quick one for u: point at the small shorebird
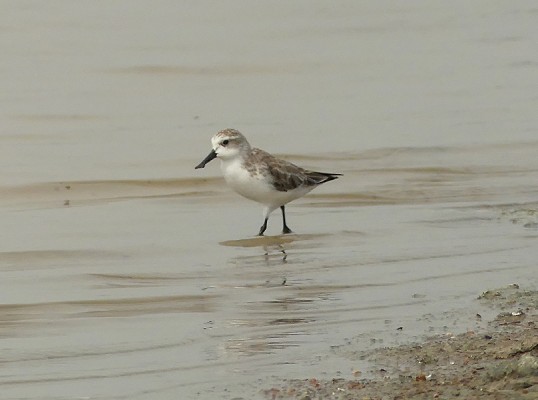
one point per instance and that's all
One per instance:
(259, 176)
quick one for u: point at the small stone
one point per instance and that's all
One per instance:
(527, 366)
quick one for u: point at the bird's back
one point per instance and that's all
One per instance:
(284, 175)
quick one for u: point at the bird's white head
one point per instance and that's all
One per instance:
(227, 144)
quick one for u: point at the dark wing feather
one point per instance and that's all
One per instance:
(287, 176)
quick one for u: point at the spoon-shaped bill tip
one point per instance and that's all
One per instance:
(212, 155)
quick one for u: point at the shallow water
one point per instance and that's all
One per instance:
(125, 273)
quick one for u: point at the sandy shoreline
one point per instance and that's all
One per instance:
(498, 362)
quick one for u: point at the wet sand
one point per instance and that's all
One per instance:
(498, 361)
(125, 273)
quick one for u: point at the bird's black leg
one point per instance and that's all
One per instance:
(263, 227)
(285, 228)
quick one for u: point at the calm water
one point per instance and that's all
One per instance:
(125, 273)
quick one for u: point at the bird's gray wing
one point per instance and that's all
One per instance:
(286, 176)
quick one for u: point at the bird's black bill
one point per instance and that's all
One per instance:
(209, 157)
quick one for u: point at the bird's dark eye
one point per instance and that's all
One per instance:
(225, 142)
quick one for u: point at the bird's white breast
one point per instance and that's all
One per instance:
(253, 186)
(257, 186)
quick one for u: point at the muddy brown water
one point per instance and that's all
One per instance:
(125, 273)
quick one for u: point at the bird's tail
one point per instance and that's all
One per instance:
(317, 178)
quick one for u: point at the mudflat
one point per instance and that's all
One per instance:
(497, 361)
